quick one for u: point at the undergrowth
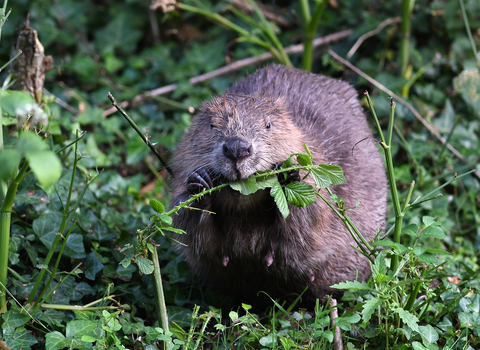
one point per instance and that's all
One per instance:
(78, 269)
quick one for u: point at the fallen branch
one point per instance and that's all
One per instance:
(294, 49)
(371, 33)
(403, 102)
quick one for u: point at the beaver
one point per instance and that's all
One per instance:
(241, 245)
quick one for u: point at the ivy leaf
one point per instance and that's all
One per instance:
(408, 318)
(74, 248)
(156, 206)
(300, 194)
(56, 341)
(13, 319)
(78, 328)
(280, 200)
(245, 187)
(327, 174)
(428, 334)
(92, 266)
(370, 307)
(145, 265)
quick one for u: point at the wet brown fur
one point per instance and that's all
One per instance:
(247, 246)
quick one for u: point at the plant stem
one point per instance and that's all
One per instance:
(5, 219)
(267, 29)
(160, 296)
(469, 32)
(407, 8)
(386, 144)
(309, 31)
(145, 139)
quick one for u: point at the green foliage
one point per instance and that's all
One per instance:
(97, 290)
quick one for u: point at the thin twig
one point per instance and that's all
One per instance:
(403, 102)
(294, 49)
(61, 103)
(145, 139)
(371, 33)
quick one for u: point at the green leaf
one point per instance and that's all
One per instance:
(46, 227)
(166, 219)
(280, 200)
(304, 159)
(75, 248)
(21, 339)
(56, 341)
(266, 182)
(352, 285)
(156, 206)
(14, 102)
(300, 194)
(428, 220)
(428, 258)
(399, 248)
(475, 304)
(418, 346)
(409, 319)
(419, 250)
(92, 266)
(428, 334)
(172, 229)
(46, 166)
(410, 230)
(433, 232)
(13, 319)
(345, 322)
(78, 328)
(29, 142)
(245, 187)
(145, 265)
(437, 251)
(370, 307)
(267, 340)
(10, 160)
(326, 174)
(81, 289)
(379, 266)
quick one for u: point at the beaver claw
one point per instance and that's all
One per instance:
(292, 175)
(198, 180)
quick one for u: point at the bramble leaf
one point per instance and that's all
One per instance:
(300, 194)
(156, 206)
(280, 200)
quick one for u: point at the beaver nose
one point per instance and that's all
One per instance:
(237, 148)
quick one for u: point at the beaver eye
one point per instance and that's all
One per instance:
(212, 125)
(268, 126)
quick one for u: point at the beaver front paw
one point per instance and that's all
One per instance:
(198, 180)
(292, 175)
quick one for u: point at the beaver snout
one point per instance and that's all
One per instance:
(236, 148)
